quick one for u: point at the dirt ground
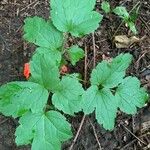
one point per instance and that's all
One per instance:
(131, 132)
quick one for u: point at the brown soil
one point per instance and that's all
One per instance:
(14, 52)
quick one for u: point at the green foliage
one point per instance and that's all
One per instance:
(105, 6)
(129, 95)
(18, 97)
(104, 104)
(46, 131)
(36, 101)
(75, 54)
(134, 14)
(111, 74)
(122, 12)
(42, 33)
(69, 92)
(44, 68)
(132, 26)
(75, 16)
(110, 90)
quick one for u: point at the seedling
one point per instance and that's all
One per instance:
(110, 90)
(40, 101)
(121, 11)
(106, 7)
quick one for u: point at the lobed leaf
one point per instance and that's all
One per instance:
(18, 97)
(54, 55)
(129, 95)
(104, 104)
(44, 68)
(42, 33)
(75, 54)
(44, 131)
(75, 16)
(105, 6)
(111, 74)
(110, 90)
(122, 12)
(68, 97)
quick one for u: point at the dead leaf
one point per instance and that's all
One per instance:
(122, 41)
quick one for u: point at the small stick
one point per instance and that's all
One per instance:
(133, 135)
(83, 118)
(29, 5)
(130, 143)
(78, 132)
(95, 134)
(85, 67)
(3, 121)
(146, 26)
(127, 145)
(138, 61)
(94, 50)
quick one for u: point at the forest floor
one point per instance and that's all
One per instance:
(131, 132)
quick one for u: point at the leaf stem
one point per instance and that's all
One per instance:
(64, 43)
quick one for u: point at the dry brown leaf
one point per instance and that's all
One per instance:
(122, 41)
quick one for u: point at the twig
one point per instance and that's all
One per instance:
(130, 143)
(29, 5)
(3, 121)
(133, 135)
(146, 26)
(127, 145)
(15, 4)
(85, 66)
(95, 134)
(117, 29)
(94, 50)
(137, 62)
(78, 132)
(83, 118)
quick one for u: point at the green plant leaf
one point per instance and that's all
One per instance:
(44, 131)
(44, 68)
(129, 95)
(68, 97)
(75, 16)
(132, 27)
(75, 54)
(18, 97)
(134, 14)
(110, 90)
(54, 55)
(42, 33)
(121, 12)
(105, 6)
(104, 104)
(111, 74)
